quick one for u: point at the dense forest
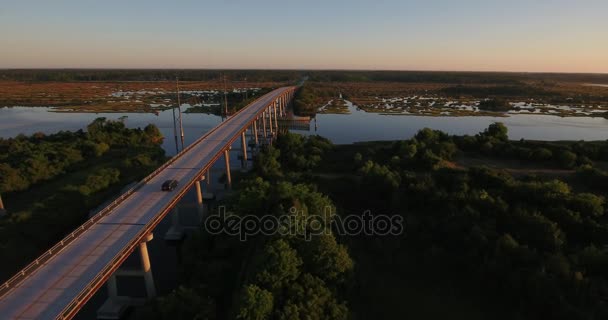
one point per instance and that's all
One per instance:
(49, 183)
(479, 242)
(282, 276)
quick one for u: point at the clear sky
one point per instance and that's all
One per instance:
(500, 35)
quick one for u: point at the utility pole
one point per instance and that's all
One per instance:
(179, 108)
(175, 131)
(246, 89)
(225, 98)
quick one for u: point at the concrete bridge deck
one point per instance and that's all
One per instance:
(61, 281)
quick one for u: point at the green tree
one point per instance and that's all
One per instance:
(325, 258)
(267, 163)
(541, 154)
(588, 204)
(566, 159)
(276, 266)
(254, 303)
(310, 299)
(498, 131)
(185, 303)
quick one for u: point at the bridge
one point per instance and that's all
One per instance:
(58, 283)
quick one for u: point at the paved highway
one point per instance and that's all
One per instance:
(62, 281)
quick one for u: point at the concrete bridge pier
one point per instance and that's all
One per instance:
(228, 177)
(244, 150)
(264, 123)
(147, 267)
(199, 199)
(116, 306)
(285, 106)
(2, 210)
(176, 230)
(255, 136)
(269, 111)
(276, 121)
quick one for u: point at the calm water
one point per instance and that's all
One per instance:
(357, 126)
(26, 120)
(363, 126)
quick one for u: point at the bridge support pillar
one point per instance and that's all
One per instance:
(113, 287)
(228, 177)
(264, 124)
(175, 232)
(199, 200)
(2, 210)
(116, 306)
(146, 266)
(270, 121)
(276, 121)
(255, 135)
(244, 147)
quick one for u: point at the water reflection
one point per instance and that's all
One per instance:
(340, 128)
(362, 126)
(27, 120)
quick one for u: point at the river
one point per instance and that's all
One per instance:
(340, 128)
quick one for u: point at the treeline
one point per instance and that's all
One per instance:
(309, 98)
(68, 75)
(273, 276)
(512, 91)
(236, 101)
(510, 81)
(566, 155)
(49, 183)
(523, 247)
(503, 78)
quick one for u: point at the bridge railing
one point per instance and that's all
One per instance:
(47, 255)
(109, 268)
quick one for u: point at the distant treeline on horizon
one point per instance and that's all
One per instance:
(290, 76)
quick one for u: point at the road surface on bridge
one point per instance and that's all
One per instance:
(62, 281)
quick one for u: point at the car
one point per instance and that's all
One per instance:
(169, 185)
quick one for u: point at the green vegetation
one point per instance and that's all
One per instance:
(49, 183)
(494, 105)
(267, 277)
(309, 98)
(479, 243)
(235, 100)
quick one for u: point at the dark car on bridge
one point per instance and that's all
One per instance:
(169, 185)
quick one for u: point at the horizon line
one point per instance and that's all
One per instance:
(301, 69)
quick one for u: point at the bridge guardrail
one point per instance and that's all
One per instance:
(47, 255)
(68, 311)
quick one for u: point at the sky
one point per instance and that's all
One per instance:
(467, 35)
